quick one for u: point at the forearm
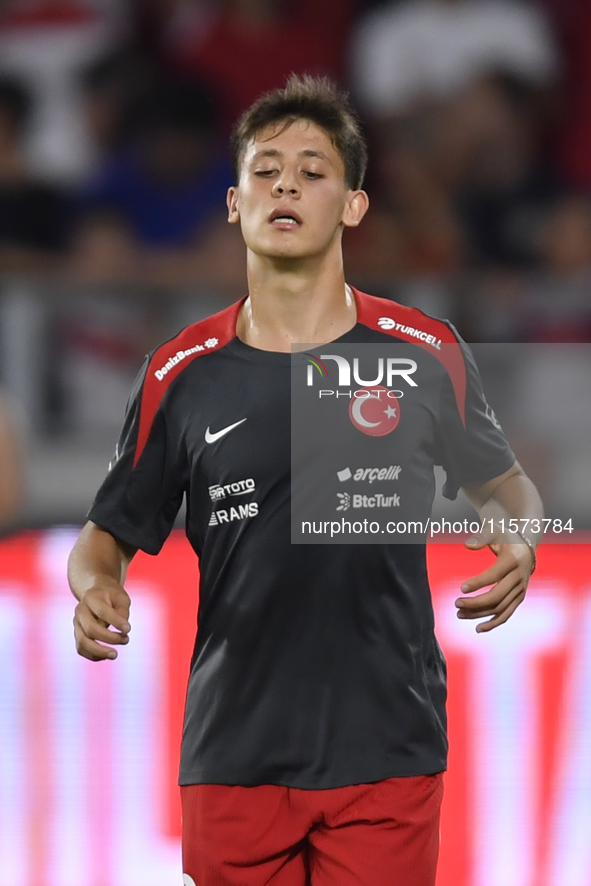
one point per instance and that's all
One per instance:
(514, 498)
(510, 497)
(97, 557)
(96, 572)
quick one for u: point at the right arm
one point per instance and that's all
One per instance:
(96, 571)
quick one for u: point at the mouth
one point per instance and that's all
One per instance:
(284, 218)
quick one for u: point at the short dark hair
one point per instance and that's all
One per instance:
(316, 99)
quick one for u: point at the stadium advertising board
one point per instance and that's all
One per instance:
(89, 752)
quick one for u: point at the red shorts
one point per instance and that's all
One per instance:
(380, 834)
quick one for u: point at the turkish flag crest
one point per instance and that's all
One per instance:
(375, 411)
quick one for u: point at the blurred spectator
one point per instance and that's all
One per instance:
(551, 303)
(504, 188)
(170, 172)
(46, 44)
(242, 48)
(422, 49)
(460, 183)
(160, 198)
(411, 228)
(35, 217)
(556, 306)
(110, 87)
(11, 467)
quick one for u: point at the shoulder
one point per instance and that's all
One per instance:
(404, 322)
(436, 337)
(168, 361)
(202, 338)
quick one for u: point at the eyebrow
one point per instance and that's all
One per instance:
(307, 152)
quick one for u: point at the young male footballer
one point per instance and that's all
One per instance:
(315, 735)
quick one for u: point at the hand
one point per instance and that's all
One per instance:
(509, 576)
(104, 606)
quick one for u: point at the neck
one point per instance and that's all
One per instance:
(291, 303)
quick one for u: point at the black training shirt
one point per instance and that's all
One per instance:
(315, 666)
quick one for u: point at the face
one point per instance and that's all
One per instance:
(292, 201)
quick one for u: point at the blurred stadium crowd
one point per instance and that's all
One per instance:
(114, 121)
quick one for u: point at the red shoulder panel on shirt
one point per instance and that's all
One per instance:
(410, 324)
(169, 360)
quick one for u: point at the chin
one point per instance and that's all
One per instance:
(292, 251)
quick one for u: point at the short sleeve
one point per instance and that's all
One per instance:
(142, 492)
(472, 448)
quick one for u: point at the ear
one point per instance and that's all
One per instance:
(355, 208)
(232, 203)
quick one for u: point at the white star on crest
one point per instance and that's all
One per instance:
(390, 412)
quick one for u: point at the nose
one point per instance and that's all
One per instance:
(286, 183)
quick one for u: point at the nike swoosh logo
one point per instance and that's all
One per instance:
(211, 438)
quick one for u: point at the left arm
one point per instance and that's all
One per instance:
(510, 495)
